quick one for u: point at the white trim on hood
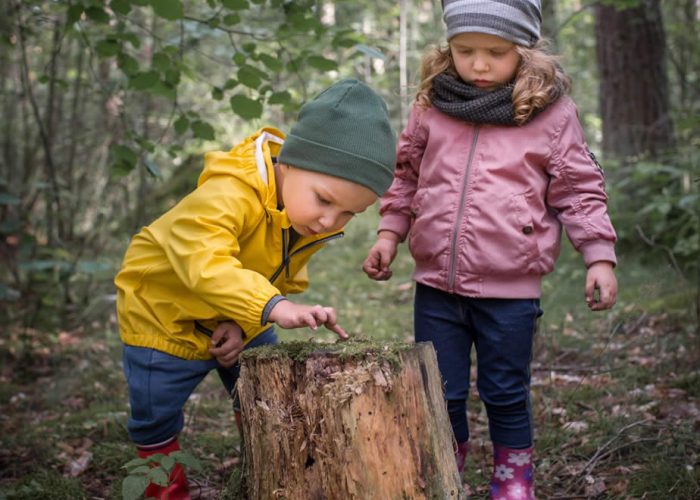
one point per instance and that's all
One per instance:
(260, 157)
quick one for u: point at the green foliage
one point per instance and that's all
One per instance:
(45, 484)
(657, 205)
(154, 469)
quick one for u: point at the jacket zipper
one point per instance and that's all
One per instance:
(287, 257)
(460, 214)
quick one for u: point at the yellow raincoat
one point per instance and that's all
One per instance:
(221, 253)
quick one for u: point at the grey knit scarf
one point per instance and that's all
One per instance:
(472, 104)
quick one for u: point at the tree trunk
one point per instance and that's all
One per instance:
(350, 420)
(634, 95)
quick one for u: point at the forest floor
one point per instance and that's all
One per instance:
(615, 395)
(619, 419)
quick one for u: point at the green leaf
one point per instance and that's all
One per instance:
(279, 98)
(161, 62)
(168, 463)
(272, 63)
(246, 107)
(108, 47)
(217, 93)
(124, 153)
(140, 470)
(120, 6)
(127, 64)
(203, 130)
(181, 125)
(322, 63)
(171, 10)
(239, 59)
(303, 23)
(230, 83)
(153, 169)
(74, 13)
(9, 199)
(132, 38)
(231, 19)
(98, 15)
(133, 487)
(134, 463)
(187, 459)
(120, 169)
(249, 77)
(158, 476)
(235, 4)
(172, 76)
(143, 80)
(345, 38)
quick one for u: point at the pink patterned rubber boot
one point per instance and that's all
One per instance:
(512, 474)
(461, 453)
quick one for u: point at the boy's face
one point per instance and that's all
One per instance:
(319, 203)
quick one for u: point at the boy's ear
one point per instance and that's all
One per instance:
(283, 168)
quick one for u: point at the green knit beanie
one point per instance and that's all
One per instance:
(344, 132)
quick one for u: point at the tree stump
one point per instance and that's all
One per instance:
(351, 420)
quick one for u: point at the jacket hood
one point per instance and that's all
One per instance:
(249, 161)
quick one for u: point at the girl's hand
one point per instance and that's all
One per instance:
(290, 315)
(381, 255)
(601, 277)
(227, 340)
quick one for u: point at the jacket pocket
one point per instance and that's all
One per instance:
(421, 237)
(526, 234)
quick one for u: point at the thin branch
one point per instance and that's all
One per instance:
(666, 249)
(45, 140)
(599, 452)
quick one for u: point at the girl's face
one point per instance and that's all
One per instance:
(319, 203)
(485, 61)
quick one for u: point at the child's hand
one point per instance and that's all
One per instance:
(290, 315)
(601, 277)
(381, 255)
(227, 340)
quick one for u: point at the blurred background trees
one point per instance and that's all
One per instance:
(108, 106)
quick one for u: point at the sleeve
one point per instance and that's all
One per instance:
(577, 192)
(395, 205)
(200, 237)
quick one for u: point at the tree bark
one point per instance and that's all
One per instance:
(634, 94)
(333, 425)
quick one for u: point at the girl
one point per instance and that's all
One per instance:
(490, 166)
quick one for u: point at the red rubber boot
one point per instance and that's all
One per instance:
(177, 488)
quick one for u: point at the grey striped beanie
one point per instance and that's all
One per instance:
(515, 20)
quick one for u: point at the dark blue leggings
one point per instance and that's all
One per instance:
(160, 384)
(501, 330)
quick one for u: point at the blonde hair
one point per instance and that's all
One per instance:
(538, 79)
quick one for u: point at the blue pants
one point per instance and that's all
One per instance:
(160, 384)
(502, 331)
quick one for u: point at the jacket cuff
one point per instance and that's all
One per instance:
(268, 307)
(598, 250)
(396, 223)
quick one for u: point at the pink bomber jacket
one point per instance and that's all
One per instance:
(483, 205)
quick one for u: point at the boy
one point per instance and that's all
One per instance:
(208, 278)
